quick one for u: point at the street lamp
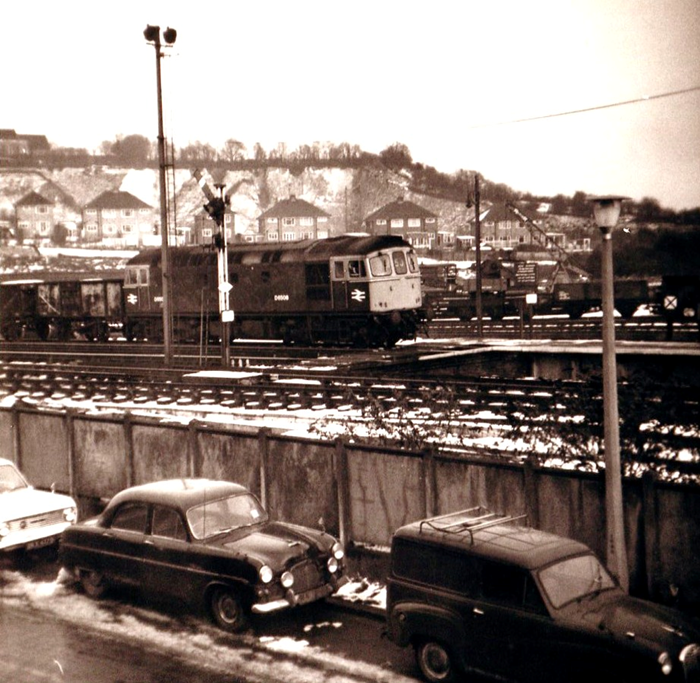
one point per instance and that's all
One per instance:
(606, 211)
(152, 35)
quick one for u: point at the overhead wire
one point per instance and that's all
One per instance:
(645, 98)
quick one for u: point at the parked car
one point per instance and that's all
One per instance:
(30, 518)
(474, 591)
(203, 540)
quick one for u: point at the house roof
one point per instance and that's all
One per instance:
(293, 208)
(116, 199)
(501, 212)
(401, 208)
(34, 199)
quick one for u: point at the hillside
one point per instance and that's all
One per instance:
(347, 194)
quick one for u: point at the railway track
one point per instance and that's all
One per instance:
(460, 408)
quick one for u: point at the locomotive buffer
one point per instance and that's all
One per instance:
(216, 208)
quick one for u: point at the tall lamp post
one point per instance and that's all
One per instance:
(607, 211)
(152, 35)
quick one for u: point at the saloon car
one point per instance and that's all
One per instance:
(474, 591)
(207, 541)
(30, 518)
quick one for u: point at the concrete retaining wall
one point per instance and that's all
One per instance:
(359, 493)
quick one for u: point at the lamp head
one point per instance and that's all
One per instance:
(152, 34)
(606, 210)
(170, 35)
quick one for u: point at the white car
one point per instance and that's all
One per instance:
(30, 518)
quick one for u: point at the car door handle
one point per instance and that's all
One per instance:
(478, 612)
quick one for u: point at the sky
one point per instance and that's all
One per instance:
(450, 79)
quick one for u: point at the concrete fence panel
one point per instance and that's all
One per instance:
(386, 490)
(160, 452)
(100, 461)
(228, 456)
(301, 484)
(44, 450)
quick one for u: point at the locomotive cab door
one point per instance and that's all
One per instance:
(349, 284)
(137, 294)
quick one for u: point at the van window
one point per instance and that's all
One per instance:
(512, 587)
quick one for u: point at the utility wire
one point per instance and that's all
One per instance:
(646, 98)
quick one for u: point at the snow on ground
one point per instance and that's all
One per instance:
(296, 660)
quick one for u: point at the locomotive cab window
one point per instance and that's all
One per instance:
(412, 262)
(356, 268)
(339, 270)
(136, 276)
(380, 265)
(400, 265)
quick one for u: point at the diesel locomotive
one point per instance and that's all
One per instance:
(350, 290)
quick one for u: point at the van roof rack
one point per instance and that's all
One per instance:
(468, 521)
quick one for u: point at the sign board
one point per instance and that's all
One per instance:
(670, 302)
(526, 275)
(531, 299)
(227, 316)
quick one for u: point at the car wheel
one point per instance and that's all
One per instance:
(93, 583)
(227, 610)
(435, 662)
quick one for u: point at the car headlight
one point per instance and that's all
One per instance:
(287, 579)
(4, 529)
(70, 515)
(338, 551)
(666, 663)
(265, 574)
(332, 565)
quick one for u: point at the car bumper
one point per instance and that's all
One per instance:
(35, 538)
(293, 599)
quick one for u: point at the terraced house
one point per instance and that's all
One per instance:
(119, 219)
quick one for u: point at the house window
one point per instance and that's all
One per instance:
(43, 227)
(42, 209)
(144, 211)
(91, 227)
(307, 235)
(127, 228)
(381, 221)
(289, 236)
(306, 221)
(322, 219)
(272, 221)
(206, 232)
(127, 213)
(430, 220)
(397, 222)
(414, 222)
(109, 213)
(108, 229)
(289, 222)
(273, 236)
(91, 212)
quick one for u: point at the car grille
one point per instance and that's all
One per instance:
(37, 521)
(307, 576)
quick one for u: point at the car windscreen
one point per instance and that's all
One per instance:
(11, 479)
(226, 514)
(574, 578)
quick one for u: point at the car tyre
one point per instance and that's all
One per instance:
(227, 610)
(94, 583)
(435, 662)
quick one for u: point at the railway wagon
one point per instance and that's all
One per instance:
(360, 290)
(61, 305)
